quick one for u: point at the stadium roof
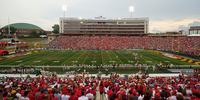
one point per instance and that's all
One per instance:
(102, 18)
(24, 26)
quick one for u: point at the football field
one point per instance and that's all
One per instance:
(91, 57)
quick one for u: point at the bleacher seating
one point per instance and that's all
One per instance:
(185, 44)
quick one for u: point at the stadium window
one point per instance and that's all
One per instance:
(120, 22)
(195, 32)
(192, 32)
(129, 22)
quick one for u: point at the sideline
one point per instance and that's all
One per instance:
(103, 75)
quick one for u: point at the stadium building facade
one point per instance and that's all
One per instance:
(194, 30)
(101, 25)
(22, 29)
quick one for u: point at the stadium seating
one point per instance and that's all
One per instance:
(3, 52)
(185, 44)
(113, 88)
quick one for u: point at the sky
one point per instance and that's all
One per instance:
(164, 15)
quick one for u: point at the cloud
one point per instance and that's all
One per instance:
(45, 13)
(171, 25)
(45, 24)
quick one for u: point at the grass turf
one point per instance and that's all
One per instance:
(91, 57)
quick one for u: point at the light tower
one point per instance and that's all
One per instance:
(131, 10)
(8, 26)
(64, 9)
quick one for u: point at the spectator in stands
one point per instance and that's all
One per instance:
(83, 97)
(115, 87)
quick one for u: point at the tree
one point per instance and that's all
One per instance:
(42, 33)
(34, 34)
(1, 34)
(12, 29)
(55, 29)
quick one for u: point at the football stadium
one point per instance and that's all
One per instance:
(98, 59)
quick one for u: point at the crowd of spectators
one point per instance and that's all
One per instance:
(145, 88)
(135, 87)
(48, 88)
(17, 70)
(185, 44)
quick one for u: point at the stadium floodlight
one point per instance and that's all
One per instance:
(64, 7)
(131, 10)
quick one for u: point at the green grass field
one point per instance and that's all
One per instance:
(91, 57)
